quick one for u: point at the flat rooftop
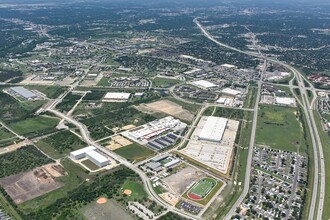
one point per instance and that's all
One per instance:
(97, 156)
(213, 129)
(204, 84)
(117, 95)
(23, 92)
(83, 150)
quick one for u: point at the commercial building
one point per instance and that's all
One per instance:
(172, 163)
(231, 92)
(91, 154)
(154, 166)
(204, 84)
(81, 153)
(117, 96)
(97, 158)
(213, 129)
(23, 92)
(285, 101)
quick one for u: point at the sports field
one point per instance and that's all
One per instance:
(202, 188)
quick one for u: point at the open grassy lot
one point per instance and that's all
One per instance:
(23, 159)
(12, 110)
(236, 114)
(279, 128)
(51, 92)
(60, 144)
(134, 152)
(137, 189)
(190, 107)
(5, 134)
(35, 126)
(251, 97)
(164, 82)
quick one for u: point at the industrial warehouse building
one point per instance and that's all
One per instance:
(81, 153)
(97, 158)
(230, 92)
(204, 84)
(23, 92)
(117, 96)
(213, 129)
(91, 154)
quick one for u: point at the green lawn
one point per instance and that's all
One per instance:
(279, 128)
(137, 189)
(164, 82)
(60, 144)
(134, 152)
(35, 125)
(5, 134)
(104, 82)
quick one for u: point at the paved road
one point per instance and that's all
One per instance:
(317, 145)
(148, 186)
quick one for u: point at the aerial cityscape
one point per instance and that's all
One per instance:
(164, 109)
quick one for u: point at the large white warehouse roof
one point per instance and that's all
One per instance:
(23, 92)
(204, 84)
(97, 156)
(82, 151)
(213, 129)
(117, 95)
(230, 91)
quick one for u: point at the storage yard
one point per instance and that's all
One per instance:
(212, 142)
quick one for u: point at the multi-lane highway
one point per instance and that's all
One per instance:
(317, 145)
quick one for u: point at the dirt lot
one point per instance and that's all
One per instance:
(118, 142)
(26, 186)
(13, 147)
(180, 181)
(167, 107)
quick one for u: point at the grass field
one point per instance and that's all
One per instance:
(5, 134)
(137, 189)
(92, 166)
(279, 128)
(134, 152)
(35, 125)
(203, 187)
(164, 82)
(190, 107)
(60, 144)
